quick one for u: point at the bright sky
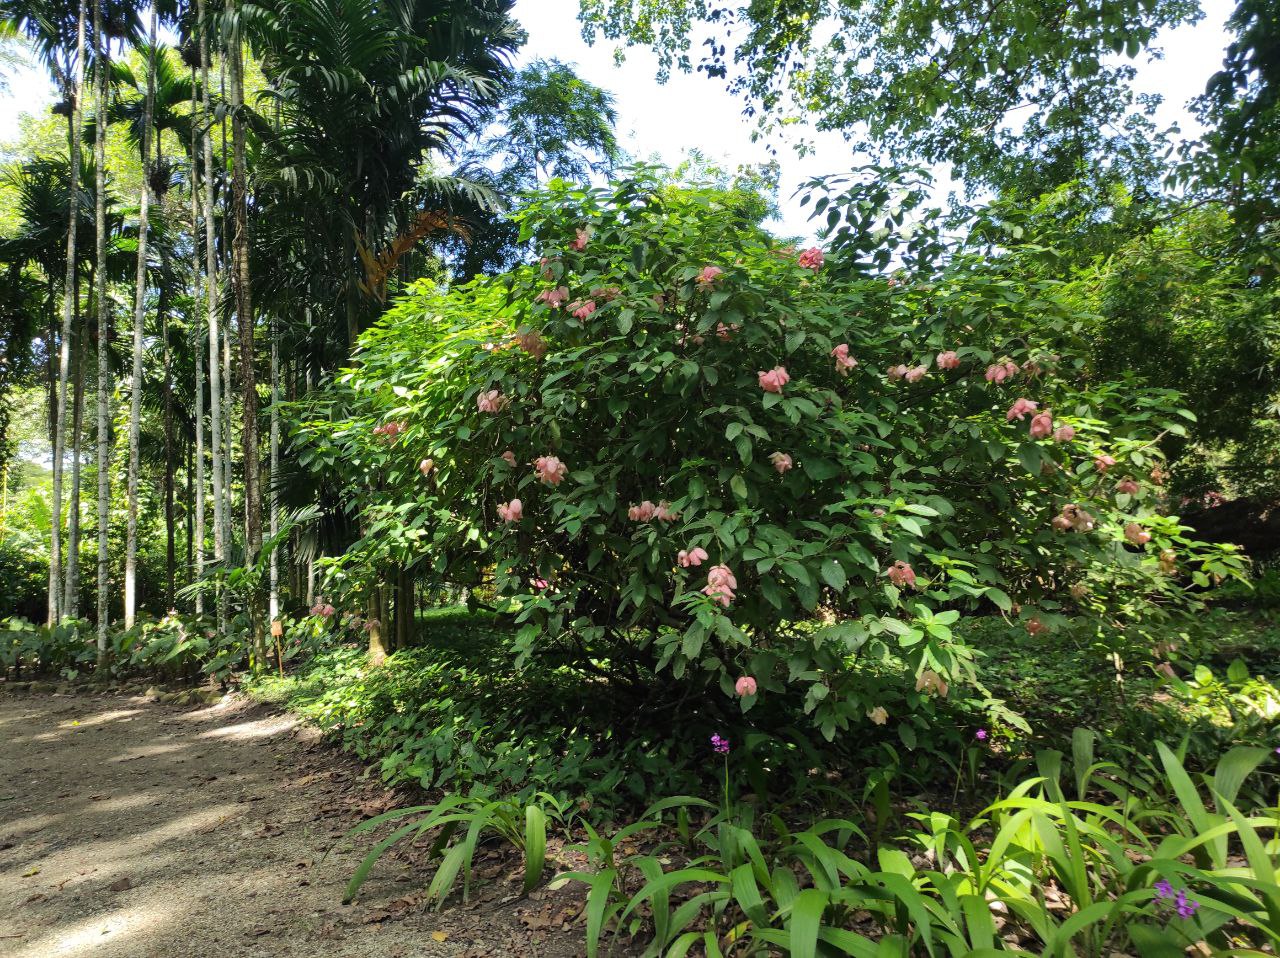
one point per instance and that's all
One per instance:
(692, 112)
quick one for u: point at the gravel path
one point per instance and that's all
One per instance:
(130, 829)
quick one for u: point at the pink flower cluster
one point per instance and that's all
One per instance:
(555, 298)
(844, 362)
(583, 308)
(512, 511)
(323, 609)
(1102, 462)
(427, 466)
(901, 573)
(689, 557)
(509, 458)
(1042, 425)
(550, 470)
(720, 585)
(491, 401)
(709, 275)
(948, 360)
(1136, 535)
(1064, 433)
(647, 510)
(773, 380)
(580, 240)
(745, 686)
(1073, 518)
(781, 462)
(1020, 409)
(389, 430)
(999, 372)
(912, 374)
(531, 342)
(1127, 486)
(811, 259)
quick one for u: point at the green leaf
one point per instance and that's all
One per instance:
(833, 574)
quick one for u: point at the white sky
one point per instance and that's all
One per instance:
(693, 112)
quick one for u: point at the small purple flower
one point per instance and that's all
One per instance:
(980, 735)
(721, 745)
(1186, 907)
(1164, 889)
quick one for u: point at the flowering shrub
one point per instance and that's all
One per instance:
(679, 447)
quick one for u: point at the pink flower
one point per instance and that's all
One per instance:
(426, 466)
(745, 686)
(948, 360)
(1061, 523)
(897, 372)
(999, 372)
(323, 609)
(540, 584)
(915, 374)
(555, 298)
(1102, 462)
(1035, 627)
(547, 264)
(931, 681)
(606, 293)
(724, 333)
(643, 512)
(811, 259)
(781, 461)
(695, 556)
(1136, 535)
(878, 715)
(720, 585)
(709, 275)
(580, 240)
(531, 342)
(901, 573)
(512, 511)
(774, 379)
(583, 308)
(1127, 486)
(844, 362)
(665, 513)
(1020, 409)
(1064, 434)
(550, 470)
(509, 458)
(491, 401)
(1041, 425)
(389, 430)
(1077, 518)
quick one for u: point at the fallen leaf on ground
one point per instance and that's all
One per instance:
(30, 871)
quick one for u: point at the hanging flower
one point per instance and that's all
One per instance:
(811, 259)
(878, 715)
(901, 573)
(1136, 535)
(999, 372)
(548, 264)
(1127, 486)
(1035, 627)
(389, 430)
(550, 470)
(509, 458)
(426, 466)
(709, 275)
(491, 401)
(555, 298)
(721, 584)
(1020, 409)
(745, 686)
(1103, 462)
(898, 371)
(720, 744)
(915, 374)
(695, 556)
(1168, 561)
(665, 513)
(583, 308)
(948, 360)
(844, 362)
(643, 512)
(931, 682)
(1041, 425)
(606, 293)
(1064, 433)
(781, 461)
(581, 239)
(774, 379)
(512, 511)
(531, 342)
(1077, 518)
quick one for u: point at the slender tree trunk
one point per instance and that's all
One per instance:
(139, 313)
(104, 334)
(195, 539)
(220, 543)
(273, 599)
(68, 312)
(71, 598)
(170, 542)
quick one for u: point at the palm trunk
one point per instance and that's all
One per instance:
(170, 541)
(273, 598)
(104, 334)
(71, 597)
(211, 293)
(244, 318)
(139, 313)
(195, 540)
(68, 311)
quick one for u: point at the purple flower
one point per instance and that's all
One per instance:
(1164, 889)
(1186, 907)
(980, 735)
(721, 745)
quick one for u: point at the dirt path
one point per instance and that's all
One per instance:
(135, 830)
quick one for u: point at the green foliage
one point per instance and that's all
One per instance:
(654, 396)
(64, 650)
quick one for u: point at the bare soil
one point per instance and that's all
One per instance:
(132, 829)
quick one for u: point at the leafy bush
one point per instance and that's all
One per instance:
(65, 650)
(679, 447)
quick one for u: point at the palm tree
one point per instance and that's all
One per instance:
(104, 322)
